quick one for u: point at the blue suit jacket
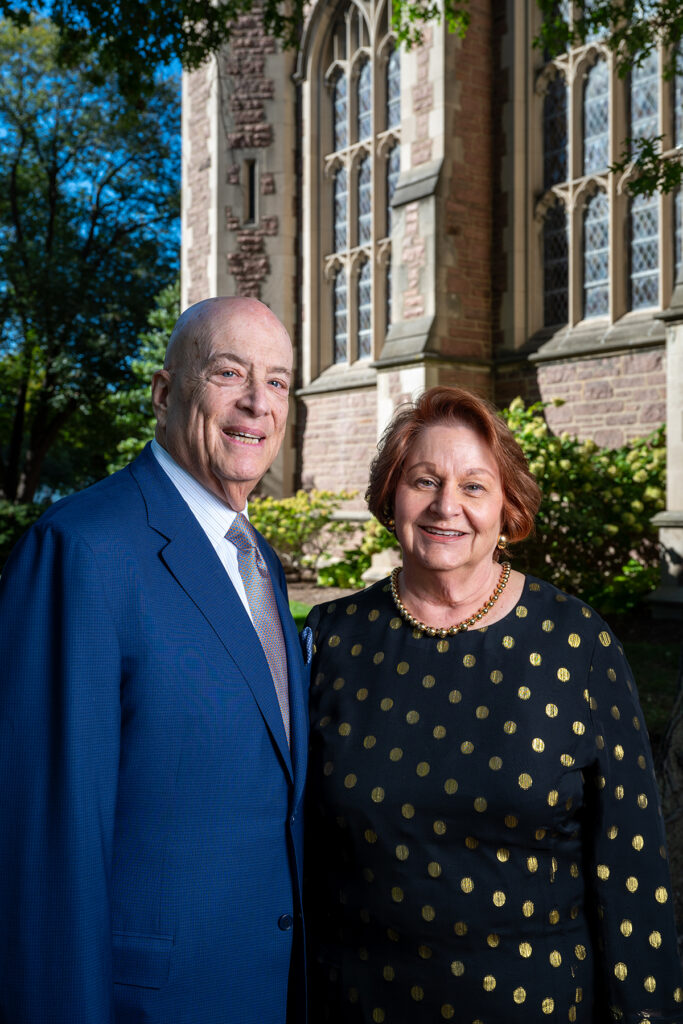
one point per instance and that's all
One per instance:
(150, 809)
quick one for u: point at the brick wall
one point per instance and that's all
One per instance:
(339, 440)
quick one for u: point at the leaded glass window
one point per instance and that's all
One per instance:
(678, 234)
(555, 133)
(596, 257)
(364, 201)
(365, 101)
(644, 251)
(393, 170)
(341, 204)
(365, 311)
(340, 104)
(645, 98)
(596, 119)
(394, 89)
(555, 266)
(341, 330)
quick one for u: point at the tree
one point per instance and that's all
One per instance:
(135, 38)
(632, 29)
(88, 236)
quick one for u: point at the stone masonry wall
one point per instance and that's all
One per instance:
(339, 441)
(197, 161)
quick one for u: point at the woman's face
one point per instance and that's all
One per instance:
(449, 501)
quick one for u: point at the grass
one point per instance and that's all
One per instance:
(299, 612)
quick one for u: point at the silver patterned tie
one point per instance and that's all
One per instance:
(261, 597)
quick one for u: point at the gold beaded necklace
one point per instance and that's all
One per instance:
(461, 626)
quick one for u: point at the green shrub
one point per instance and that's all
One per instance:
(593, 537)
(348, 572)
(15, 520)
(301, 528)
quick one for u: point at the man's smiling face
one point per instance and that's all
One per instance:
(222, 400)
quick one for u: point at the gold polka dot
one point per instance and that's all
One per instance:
(392, 934)
(344, 729)
(397, 894)
(510, 728)
(566, 760)
(525, 949)
(528, 908)
(370, 836)
(493, 940)
(548, 1005)
(580, 952)
(338, 683)
(412, 717)
(408, 811)
(428, 682)
(661, 895)
(519, 995)
(469, 661)
(434, 869)
(447, 1011)
(602, 872)
(563, 675)
(362, 693)
(510, 820)
(471, 843)
(551, 710)
(438, 732)
(626, 928)
(586, 612)
(442, 646)
(632, 883)
(489, 983)
(458, 968)
(621, 971)
(503, 855)
(521, 612)
(554, 916)
(402, 667)
(334, 641)
(678, 995)
(553, 796)
(649, 984)
(655, 939)
(373, 615)
(499, 898)
(466, 884)
(508, 642)
(642, 801)
(395, 623)
(482, 712)
(573, 868)
(538, 745)
(428, 913)
(328, 768)
(496, 676)
(615, 712)
(525, 781)
(460, 928)
(532, 864)
(600, 741)
(555, 958)
(369, 742)
(495, 763)
(524, 693)
(395, 754)
(356, 650)
(574, 640)
(388, 973)
(611, 675)
(578, 728)
(422, 769)
(455, 696)
(424, 952)
(636, 725)
(377, 795)
(378, 658)
(638, 843)
(605, 639)
(534, 586)
(619, 792)
(439, 827)
(467, 747)
(386, 703)
(535, 659)
(539, 834)
(451, 786)
(480, 804)
(350, 780)
(378, 1015)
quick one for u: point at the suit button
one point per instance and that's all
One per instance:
(285, 922)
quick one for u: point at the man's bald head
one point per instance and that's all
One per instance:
(221, 400)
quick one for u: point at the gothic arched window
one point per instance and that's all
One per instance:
(341, 330)
(596, 119)
(596, 257)
(365, 311)
(555, 266)
(555, 133)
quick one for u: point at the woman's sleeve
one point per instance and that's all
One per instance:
(628, 872)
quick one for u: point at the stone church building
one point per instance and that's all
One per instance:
(443, 214)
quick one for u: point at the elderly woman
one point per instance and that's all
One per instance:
(484, 839)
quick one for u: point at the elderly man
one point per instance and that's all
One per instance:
(152, 718)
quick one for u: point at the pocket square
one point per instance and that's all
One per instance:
(306, 638)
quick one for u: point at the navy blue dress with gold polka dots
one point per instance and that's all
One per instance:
(484, 838)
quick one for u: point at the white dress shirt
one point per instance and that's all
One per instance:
(214, 517)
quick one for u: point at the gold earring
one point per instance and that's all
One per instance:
(502, 542)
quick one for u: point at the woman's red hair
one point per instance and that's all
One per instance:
(444, 405)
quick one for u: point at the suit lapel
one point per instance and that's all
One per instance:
(191, 559)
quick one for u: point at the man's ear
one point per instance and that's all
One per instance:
(161, 383)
